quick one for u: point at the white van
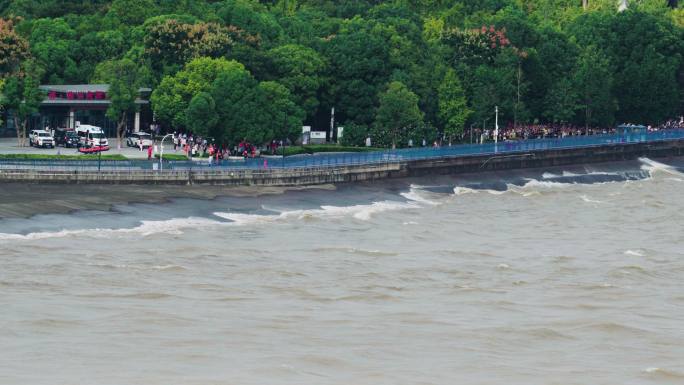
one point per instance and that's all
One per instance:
(90, 136)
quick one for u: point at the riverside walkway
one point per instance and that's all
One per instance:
(336, 160)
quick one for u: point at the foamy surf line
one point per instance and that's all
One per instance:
(360, 212)
(177, 225)
(531, 186)
(146, 228)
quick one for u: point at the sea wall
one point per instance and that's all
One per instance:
(547, 158)
(354, 173)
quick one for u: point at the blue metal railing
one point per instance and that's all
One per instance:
(322, 160)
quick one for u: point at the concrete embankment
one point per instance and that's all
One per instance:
(353, 173)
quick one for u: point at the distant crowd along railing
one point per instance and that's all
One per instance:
(346, 159)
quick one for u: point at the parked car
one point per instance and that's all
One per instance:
(41, 138)
(90, 136)
(66, 138)
(136, 138)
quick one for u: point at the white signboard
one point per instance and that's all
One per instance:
(318, 134)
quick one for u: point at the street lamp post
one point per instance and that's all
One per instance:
(471, 133)
(161, 152)
(496, 128)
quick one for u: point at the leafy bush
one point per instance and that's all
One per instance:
(317, 148)
(354, 135)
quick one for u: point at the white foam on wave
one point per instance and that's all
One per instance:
(460, 190)
(146, 228)
(534, 187)
(534, 183)
(360, 212)
(589, 200)
(634, 253)
(176, 226)
(548, 175)
(416, 194)
(664, 373)
(654, 167)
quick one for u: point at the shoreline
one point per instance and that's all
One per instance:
(399, 165)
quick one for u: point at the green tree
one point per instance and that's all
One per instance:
(132, 12)
(229, 90)
(171, 98)
(96, 47)
(358, 70)
(493, 86)
(252, 17)
(646, 58)
(398, 114)
(300, 69)
(561, 103)
(122, 76)
(453, 108)
(266, 113)
(594, 82)
(201, 114)
(52, 44)
(23, 97)
(354, 135)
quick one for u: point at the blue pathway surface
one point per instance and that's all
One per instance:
(346, 159)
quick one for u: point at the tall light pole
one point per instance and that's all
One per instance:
(496, 124)
(332, 123)
(161, 152)
(496, 127)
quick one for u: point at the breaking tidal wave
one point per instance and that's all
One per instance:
(416, 197)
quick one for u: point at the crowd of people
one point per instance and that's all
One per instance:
(539, 131)
(672, 124)
(197, 146)
(534, 131)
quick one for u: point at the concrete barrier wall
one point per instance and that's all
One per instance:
(353, 173)
(271, 177)
(547, 158)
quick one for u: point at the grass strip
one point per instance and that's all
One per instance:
(60, 157)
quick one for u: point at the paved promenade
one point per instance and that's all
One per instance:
(9, 146)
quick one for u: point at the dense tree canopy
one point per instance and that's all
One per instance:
(236, 69)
